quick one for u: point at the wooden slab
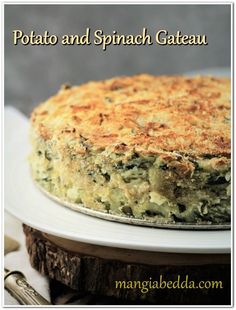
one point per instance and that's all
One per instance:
(95, 269)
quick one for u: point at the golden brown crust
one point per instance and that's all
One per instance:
(146, 113)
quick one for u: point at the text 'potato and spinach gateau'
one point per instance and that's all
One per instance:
(147, 147)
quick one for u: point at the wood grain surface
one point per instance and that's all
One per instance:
(94, 270)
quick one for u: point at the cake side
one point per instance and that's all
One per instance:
(154, 148)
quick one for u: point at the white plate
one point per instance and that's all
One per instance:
(26, 202)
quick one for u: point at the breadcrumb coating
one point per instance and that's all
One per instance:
(145, 113)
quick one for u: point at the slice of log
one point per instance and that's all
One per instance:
(95, 269)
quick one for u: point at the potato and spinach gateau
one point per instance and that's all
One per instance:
(144, 147)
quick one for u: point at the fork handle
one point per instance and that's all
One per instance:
(15, 283)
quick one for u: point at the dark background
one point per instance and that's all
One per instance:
(33, 73)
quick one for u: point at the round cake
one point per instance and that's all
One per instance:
(143, 147)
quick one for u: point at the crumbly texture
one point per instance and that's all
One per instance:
(154, 148)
